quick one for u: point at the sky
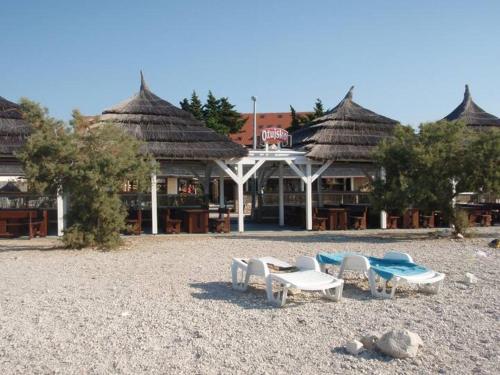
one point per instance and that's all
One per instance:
(408, 60)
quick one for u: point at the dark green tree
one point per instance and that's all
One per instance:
(218, 114)
(427, 170)
(296, 123)
(91, 168)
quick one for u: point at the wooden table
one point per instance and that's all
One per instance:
(411, 218)
(12, 222)
(337, 217)
(195, 220)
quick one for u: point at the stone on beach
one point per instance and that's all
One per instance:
(399, 343)
(470, 278)
(354, 347)
(370, 340)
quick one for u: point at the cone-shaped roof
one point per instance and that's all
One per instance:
(348, 132)
(169, 132)
(13, 129)
(472, 114)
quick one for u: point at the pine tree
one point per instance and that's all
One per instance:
(196, 107)
(296, 123)
(78, 122)
(230, 119)
(91, 167)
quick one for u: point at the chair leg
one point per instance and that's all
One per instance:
(239, 278)
(279, 297)
(334, 294)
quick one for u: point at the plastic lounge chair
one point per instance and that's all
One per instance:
(242, 270)
(396, 267)
(307, 278)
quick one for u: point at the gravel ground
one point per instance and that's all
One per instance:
(164, 305)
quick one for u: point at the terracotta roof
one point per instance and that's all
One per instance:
(281, 120)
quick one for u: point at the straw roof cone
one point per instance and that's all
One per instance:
(14, 130)
(347, 133)
(473, 115)
(168, 131)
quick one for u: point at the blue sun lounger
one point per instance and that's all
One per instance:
(398, 268)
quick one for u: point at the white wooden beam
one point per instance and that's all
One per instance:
(320, 171)
(154, 205)
(228, 170)
(281, 197)
(297, 171)
(241, 214)
(308, 197)
(253, 170)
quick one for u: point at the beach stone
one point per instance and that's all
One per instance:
(470, 278)
(459, 236)
(369, 340)
(399, 343)
(354, 347)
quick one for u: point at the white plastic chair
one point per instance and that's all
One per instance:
(432, 281)
(242, 270)
(308, 278)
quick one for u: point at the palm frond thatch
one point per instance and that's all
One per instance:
(169, 132)
(473, 115)
(348, 132)
(13, 129)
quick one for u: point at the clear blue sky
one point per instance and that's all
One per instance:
(409, 60)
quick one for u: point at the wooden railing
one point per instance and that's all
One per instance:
(26, 200)
(330, 198)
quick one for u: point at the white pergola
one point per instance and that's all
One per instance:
(296, 160)
(240, 170)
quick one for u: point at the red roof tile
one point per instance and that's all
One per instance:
(281, 120)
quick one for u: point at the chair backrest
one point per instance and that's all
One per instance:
(307, 263)
(257, 267)
(398, 256)
(354, 262)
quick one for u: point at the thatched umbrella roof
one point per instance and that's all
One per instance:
(13, 129)
(472, 114)
(348, 132)
(169, 132)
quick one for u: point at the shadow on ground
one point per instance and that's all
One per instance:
(255, 296)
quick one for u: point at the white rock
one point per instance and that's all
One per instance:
(399, 343)
(125, 314)
(354, 347)
(470, 278)
(459, 236)
(369, 340)
(480, 253)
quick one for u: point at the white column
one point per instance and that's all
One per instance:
(62, 203)
(383, 214)
(308, 197)
(154, 205)
(241, 214)
(281, 199)
(221, 189)
(454, 190)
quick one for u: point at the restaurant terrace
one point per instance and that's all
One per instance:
(316, 178)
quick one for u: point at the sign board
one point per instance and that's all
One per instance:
(274, 136)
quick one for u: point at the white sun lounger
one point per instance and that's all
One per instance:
(429, 279)
(307, 278)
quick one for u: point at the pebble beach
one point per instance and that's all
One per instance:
(164, 305)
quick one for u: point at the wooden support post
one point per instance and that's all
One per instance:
(221, 189)
(154, 205)
(383, 214)
(241, 214)
(308, 197)
(62, 207)
(281, 202)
